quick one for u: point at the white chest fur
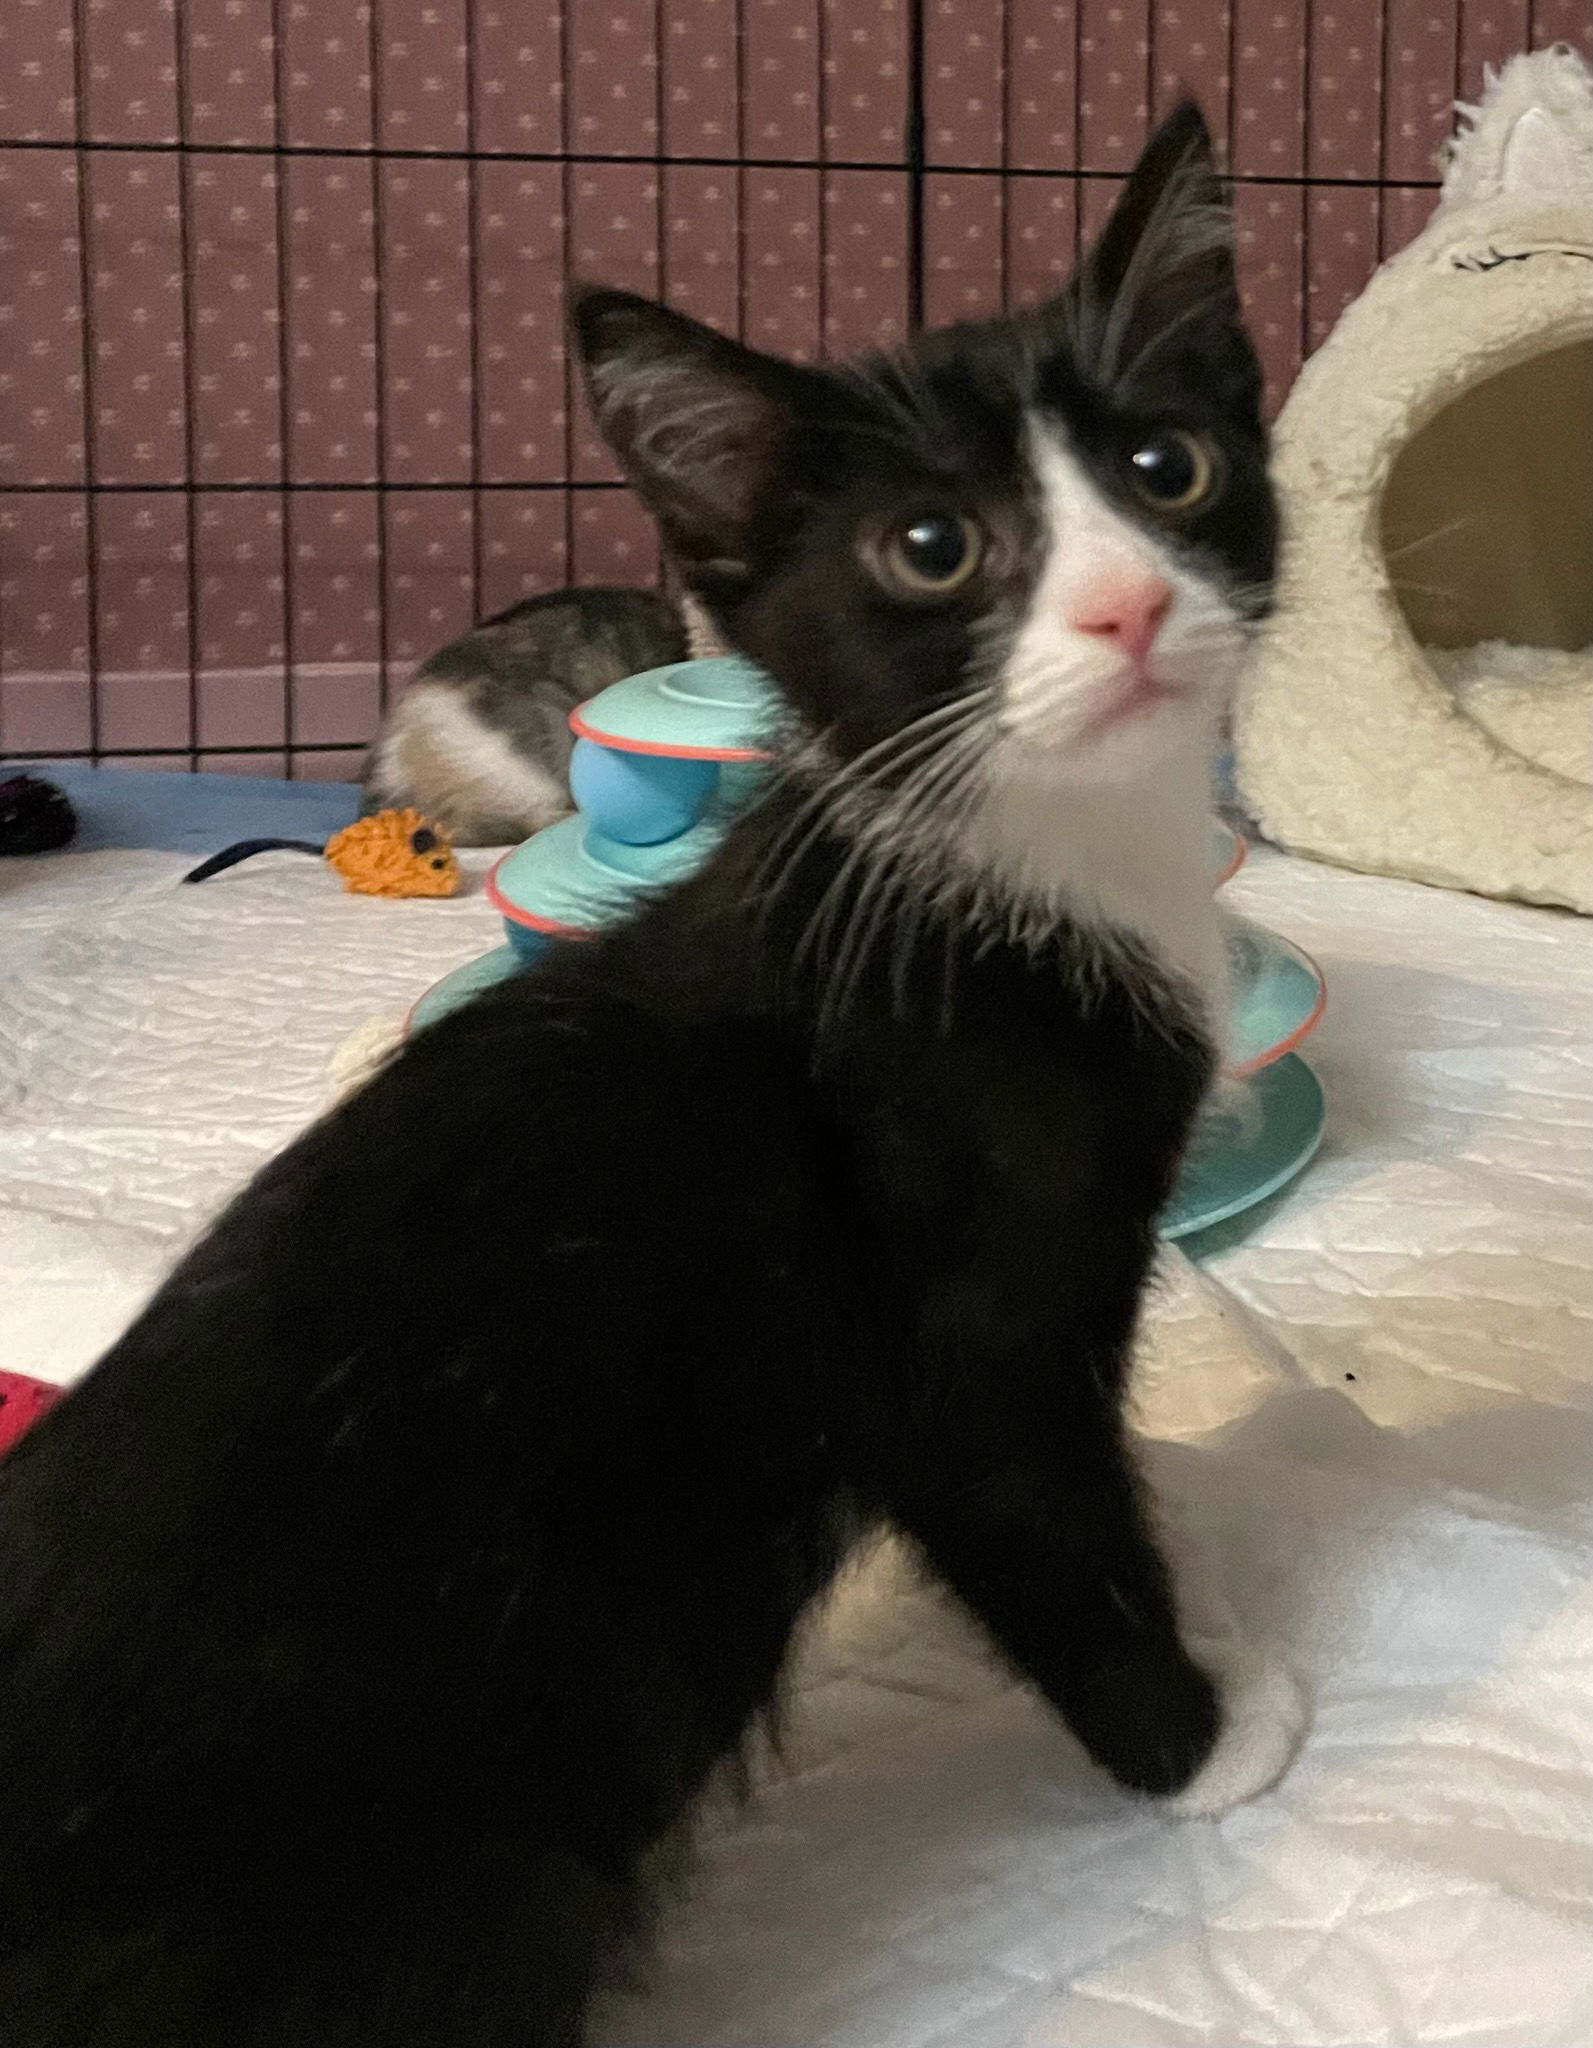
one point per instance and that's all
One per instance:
(1101, 818)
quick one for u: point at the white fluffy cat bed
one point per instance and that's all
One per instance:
(1422, 702)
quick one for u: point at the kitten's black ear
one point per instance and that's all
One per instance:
(696, 421)
(1162, 274)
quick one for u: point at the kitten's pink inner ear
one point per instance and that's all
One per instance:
(1124, 608)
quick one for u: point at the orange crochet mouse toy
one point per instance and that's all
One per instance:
(390, 853)
(394, 853)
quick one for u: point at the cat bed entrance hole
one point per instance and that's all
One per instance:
(1487, 513)
(1420, 702)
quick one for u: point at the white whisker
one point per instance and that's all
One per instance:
(881, 758)
(904, 839)
(1431, 537)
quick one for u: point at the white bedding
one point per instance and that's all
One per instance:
(932, 1863)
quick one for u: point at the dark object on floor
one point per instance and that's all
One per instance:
(35, 817)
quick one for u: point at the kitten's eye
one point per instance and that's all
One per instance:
(927, 557)
(1174, 471)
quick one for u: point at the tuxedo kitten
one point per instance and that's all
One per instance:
(372, 1617)
(480, 741)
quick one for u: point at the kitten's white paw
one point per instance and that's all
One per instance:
(1265, 1711)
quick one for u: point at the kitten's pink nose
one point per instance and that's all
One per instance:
(1127, 609)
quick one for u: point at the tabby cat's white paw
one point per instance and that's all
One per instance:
(1265, 1712)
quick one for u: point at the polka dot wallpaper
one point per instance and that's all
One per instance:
(283, 394)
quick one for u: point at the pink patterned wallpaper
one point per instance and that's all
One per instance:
(283, 400)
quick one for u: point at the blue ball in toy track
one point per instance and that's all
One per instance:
(640, 799)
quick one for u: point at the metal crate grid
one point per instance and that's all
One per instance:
(284, 394)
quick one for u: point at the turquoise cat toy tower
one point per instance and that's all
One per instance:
(663, 761)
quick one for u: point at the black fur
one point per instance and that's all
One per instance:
(374, 1612)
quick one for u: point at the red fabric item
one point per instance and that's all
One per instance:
(22, 1402)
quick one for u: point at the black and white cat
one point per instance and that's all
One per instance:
(371, 1618)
